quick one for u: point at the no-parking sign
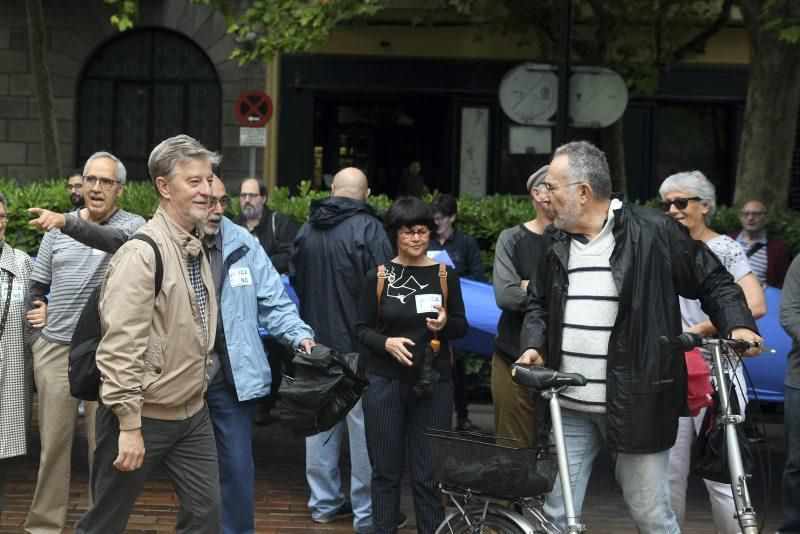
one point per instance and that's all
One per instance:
(253, 108)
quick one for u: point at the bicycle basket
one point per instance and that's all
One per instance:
(468, 460)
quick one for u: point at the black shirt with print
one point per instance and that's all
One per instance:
(404, 289)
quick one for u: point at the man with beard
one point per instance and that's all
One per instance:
(75, 187)
(274, 231)
(69, 271)
(153, 356)
(342, 240)
(516, 257)
(605, 291)
(250, 292)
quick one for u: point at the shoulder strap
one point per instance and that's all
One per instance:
(443, 283)
(7, 303)
(755, 248)
(379, 290)
(274, 214)
(159, 265)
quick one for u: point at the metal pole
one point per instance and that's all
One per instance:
(252, 173)
(562, 116)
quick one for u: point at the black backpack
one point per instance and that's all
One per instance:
(84, 376)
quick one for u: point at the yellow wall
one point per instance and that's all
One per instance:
(730, 46)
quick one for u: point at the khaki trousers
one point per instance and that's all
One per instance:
(513, 404)
(58, 417)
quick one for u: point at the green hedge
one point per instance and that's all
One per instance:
(483, 218)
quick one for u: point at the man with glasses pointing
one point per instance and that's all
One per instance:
(71, 261)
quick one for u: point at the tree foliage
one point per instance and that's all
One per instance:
(267, 27)
(639, 39)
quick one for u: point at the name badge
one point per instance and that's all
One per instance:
(426, 302)
(240, 277)
(17, 292)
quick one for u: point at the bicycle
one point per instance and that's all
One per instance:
(485, 481)
(745, 512)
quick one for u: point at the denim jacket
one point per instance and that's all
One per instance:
(253, 294)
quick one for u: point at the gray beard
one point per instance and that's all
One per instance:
(566, 218)
(252, 212)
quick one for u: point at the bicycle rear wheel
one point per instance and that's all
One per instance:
(491, 524)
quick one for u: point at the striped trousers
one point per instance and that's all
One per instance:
(393, 416)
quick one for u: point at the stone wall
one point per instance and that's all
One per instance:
(74, 30)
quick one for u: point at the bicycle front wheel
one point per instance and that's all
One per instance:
(493, 523)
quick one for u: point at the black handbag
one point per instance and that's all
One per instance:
(709, 455)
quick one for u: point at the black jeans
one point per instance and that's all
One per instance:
(460, 391)
(392, 415)
(185, 449)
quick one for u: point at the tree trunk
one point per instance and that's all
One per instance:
(770, 118)
(613, 144)
(44, 90)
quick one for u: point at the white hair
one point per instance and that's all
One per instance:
(696, 183)
(122, 174)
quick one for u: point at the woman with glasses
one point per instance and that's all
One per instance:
(16, 361)
(403, 307)
(689, 197)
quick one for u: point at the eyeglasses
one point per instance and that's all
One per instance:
(223, 202)
(550, 187)
(105, 183)
(680, 203)
(74, 187)
(409, 234)
(746, 214)
(248, 196)
(3, 217)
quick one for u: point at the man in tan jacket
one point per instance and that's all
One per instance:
(154, 354)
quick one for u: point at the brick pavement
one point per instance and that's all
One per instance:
(281, 491)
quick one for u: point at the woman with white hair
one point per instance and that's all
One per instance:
(16, 361)
(689, 197)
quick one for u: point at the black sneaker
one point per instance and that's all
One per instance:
(402, 520)
(342, 513)
(465, 425)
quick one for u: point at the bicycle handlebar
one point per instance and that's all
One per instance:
(686, 342)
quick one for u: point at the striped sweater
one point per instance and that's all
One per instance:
(589, 316)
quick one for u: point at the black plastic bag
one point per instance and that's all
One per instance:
(324, 389)
(709, 454)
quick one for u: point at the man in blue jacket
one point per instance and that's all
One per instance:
(249, 293)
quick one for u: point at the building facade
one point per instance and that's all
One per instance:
(377, 96)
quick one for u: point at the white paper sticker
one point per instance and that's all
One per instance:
(17, 292)
(426, 302)
(240, 277)
(97, 252)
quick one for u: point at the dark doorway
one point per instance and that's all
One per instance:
(141, 87)
(382, 137)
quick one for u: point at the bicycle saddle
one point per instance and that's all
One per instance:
(540, 378)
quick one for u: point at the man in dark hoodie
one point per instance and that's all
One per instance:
(342, 240)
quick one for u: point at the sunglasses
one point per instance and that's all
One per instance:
(680, 203)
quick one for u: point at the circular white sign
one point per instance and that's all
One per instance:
(597, 98)
(528, 95)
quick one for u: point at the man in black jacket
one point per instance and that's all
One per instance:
(606, 290)
(274, 231)
(342, 240)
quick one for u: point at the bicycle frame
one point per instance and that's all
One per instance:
(572, 519)
(741, 495)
